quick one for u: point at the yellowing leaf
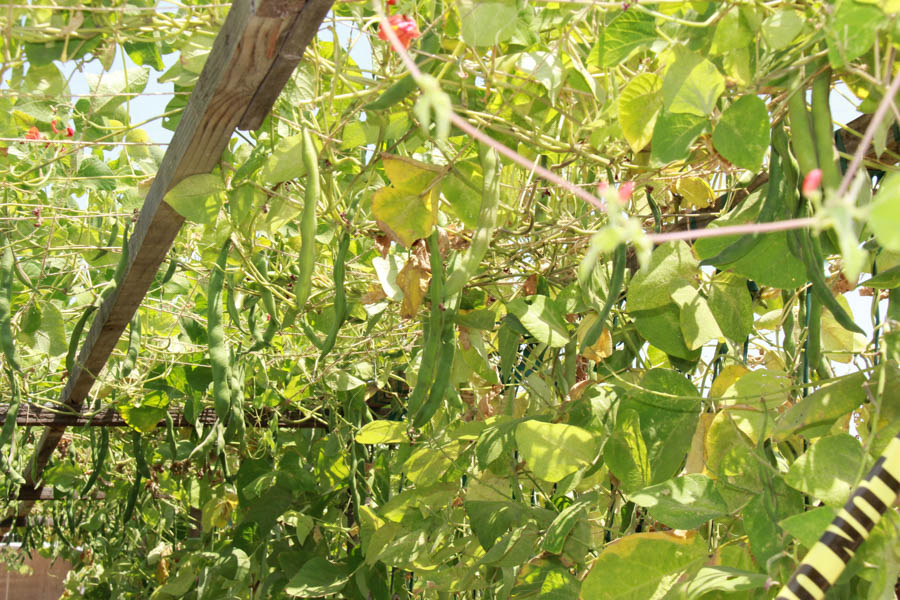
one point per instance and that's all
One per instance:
(382, 432)
(638, 108)
(553, 450)
(642, 565)
(407, 208)
(412, 279)
(603, 347)
(695, 192)
(197, 198)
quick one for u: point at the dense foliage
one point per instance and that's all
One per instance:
(515, 393)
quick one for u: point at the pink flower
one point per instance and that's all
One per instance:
(625, 191)
(404, 27)
(812, 181)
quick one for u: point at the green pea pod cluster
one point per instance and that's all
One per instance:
(433, 330)
(218, 348)
(7, 266)
(487, 222)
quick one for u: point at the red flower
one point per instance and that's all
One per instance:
(404, 27)
(33, 134)
(53, 126)
(70, 131)
(391, 2)
(812, 181)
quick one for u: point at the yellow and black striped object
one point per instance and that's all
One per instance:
(850, 528)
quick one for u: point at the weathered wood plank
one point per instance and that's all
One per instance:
(288, 419)
(245, 50)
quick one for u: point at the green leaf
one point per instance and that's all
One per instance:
(682, 503)
(692, 84)
(491, 519)
(884, 214)
(625, 452)
(555, 537)
(64, 475)
(673, 135)
(724, 579)
(668, 405)
(638, 107)
(382, 432)
(698, 325)
(628, 31)
(407, 208)
(828, 470)
(742, 134)
(662, 327)
(809, 526)
(488, 23)
(546, 68)
(197, 198)
(284, 163)
(97, 174)
(780, 28)
(851, 31)
(107, 89)
(547, 579)
(822, 407)
(542, 320)
(886, 280)
(671, 266)
(318, 577)
(771, 263)
(731, 305)
(343, 381)
(49, 338)
(145, 416)
(426, 465)
(554, 450)
(642, 566)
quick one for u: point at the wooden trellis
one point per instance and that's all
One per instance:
(253, 56)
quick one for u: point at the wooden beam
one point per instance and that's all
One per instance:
(46, 493)
(248, 46)
(287, 419)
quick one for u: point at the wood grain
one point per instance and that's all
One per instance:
(239, 65)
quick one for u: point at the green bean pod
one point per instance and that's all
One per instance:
(814, 333)
(211, 436)
(772, 205)
(823, 131)
(7, 341)
(121, 266)
(812, 259)
(99, 459)
(787, 326)
(487, 221)
(433, 330)
(75, 339)
(308, 225)
(442, 373)
(340, 296)
(801, 132)
(12, 412)
(170, 272)
(615, 286)
(218, 349)
(132, 499)
(170, 435)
